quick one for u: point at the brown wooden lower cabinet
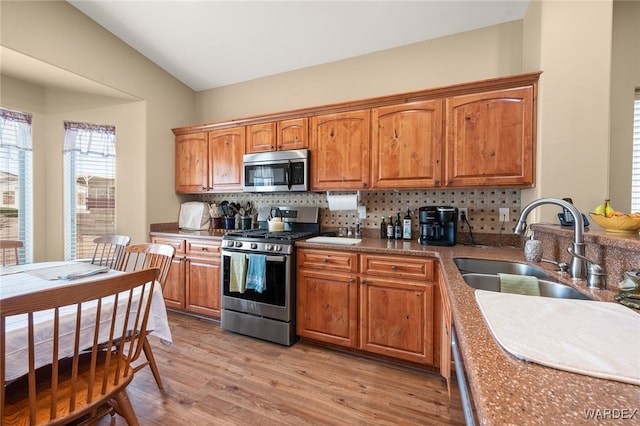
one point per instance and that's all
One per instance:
(193, 284)
(384, 305)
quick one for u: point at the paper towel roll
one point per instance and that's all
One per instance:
(342, 202)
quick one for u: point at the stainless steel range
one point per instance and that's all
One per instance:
(267, 313)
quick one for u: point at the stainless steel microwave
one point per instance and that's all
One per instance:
(277, 171)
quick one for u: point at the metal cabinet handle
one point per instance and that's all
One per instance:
(394, 268)
(363, 282)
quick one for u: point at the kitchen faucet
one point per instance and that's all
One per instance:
(578, 267)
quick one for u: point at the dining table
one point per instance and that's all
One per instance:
(30, 278)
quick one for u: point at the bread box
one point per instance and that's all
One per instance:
(194, 215)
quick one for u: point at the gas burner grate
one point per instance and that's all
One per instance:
(266, 234)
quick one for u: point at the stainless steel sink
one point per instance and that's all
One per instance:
(484, 266)
(548, 288)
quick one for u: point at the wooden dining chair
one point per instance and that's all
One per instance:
(10, 254)
(91, 382)
(109, 250)
(142, 256)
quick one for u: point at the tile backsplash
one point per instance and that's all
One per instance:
(482, 205)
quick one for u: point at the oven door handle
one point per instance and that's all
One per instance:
(280, 259)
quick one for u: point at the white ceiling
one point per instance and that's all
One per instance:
(207, 43)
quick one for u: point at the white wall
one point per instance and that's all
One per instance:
(474, 55)
(625, 78)
(59, 35)
(571, 43)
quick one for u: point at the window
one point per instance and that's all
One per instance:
(635, 183)
(16, 210)
(89, 186)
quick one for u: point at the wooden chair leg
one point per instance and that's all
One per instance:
(146, 347)
(125, 409)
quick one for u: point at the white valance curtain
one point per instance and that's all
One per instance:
(15, 129)
(93, 139)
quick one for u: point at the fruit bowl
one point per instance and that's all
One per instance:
(621, 224)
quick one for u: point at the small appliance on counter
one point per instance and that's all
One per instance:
(438, 225)
(194, 216)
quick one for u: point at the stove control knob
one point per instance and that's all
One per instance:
(268, 246)
(238, 243)
(229, 243)
(278, 247)
(254, 245)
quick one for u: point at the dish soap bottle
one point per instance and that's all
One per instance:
(397, 229)
(406, 225)
(383, 229)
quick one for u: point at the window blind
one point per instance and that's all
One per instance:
(90, 186)
(635, 182)
(16, 180)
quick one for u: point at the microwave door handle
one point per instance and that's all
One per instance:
(288, 174)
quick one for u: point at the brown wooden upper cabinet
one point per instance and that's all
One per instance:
(339, 150)
(278, 136)
(210, 161)
(490, 139)
(406, 145)
(226, 148)
(192, 163)
(475, 134)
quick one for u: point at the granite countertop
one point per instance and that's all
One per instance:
(505, 389)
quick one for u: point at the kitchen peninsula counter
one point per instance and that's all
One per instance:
(505, 389)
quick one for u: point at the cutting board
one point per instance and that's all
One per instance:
(598, 339)
(334, 240)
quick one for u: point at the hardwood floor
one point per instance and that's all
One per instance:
(213, 377)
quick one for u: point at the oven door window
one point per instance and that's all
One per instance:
(276, 277)
(266, 175)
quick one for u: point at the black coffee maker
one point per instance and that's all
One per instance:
(438, 225)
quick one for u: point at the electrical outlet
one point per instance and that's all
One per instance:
(461, 211)
(504, 214)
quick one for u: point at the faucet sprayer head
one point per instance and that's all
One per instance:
(520, 228)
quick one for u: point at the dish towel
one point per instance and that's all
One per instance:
(257, 273)
(238, 272)
(519, 284)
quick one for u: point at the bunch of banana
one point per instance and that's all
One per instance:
(606, 210)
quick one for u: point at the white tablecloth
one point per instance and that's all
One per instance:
(23, 279)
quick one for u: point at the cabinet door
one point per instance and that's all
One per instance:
(174, 290)
(203, 277)
(406, 145)
(261, 137)
(327, 307)
(340, 151)
(192, 163)
(203, 287)
(226, 148)
(490, 140)
(396, 318)
(293, 134)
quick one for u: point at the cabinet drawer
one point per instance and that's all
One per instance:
(203, 248)
(328, 260)
(177, 243)
(397, 266)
